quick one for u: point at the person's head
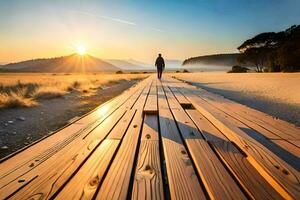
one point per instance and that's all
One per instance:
(159, 55)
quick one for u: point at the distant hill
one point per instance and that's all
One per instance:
(139, 63)
(216, 60)
(71, 63)
(124, 64)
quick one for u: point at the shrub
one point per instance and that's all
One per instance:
(16, 99)
(75, 85)
(119, 72)
(238, 69)
(48, 93)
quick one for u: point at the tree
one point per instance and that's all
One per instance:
(276, 51)
(256, 56)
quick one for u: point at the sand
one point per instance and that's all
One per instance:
(277, 94)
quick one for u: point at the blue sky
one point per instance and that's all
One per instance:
(137, 29)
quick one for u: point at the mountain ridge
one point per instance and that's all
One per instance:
(229, 59)
(70, 63)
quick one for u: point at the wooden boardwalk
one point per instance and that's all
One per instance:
(161, 140)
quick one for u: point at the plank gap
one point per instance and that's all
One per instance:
(187, 106)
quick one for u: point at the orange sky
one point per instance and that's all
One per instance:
(135, 29)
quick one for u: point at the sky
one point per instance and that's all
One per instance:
(136, 29)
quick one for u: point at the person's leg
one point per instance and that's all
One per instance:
(160, 72)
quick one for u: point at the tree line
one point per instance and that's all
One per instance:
(273, 52)
(216, 59)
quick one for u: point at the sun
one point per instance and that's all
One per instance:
(81, 50)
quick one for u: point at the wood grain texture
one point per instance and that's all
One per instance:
(151, 104)
(74, 154)
(216, 179)
(263, 128)
(183, 181)
(212, 148)
(54, 172)
(116, 182)
(17, 165)
(140, 103)
(266, 162)
(84, 184)
(88, 178)
(150, 128)
(148, 179)
(33, 156)
(278, 127)
(253, 183)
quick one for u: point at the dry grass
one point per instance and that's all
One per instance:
(49, 93)
(26, 89)
(16, 99)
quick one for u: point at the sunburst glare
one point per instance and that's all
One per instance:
(81, 50)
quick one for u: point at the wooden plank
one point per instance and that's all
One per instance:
(68, 157)
(273, 124)
(295, 142)
(87, 179)
(288, 146)
(56, 171)
(255, 123)
(148, 179)
(11, 171)
(182, 179)
(150, 128)
(151, 104)
(288, 149)
(42, 148)
(217, 102)
(217, 181)
(40, 158)
(253, 117)
(180, 98)
(27, 172)
(116, 182)
(258, 155)
(139, 105)
(253, 183)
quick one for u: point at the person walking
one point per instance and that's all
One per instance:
(160, 65)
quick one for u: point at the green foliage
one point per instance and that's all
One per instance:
(238, 69)
(273, 52)
(217, 59)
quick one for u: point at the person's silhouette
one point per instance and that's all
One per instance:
(160, 65)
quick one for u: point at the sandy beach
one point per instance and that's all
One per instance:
(277, 94)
